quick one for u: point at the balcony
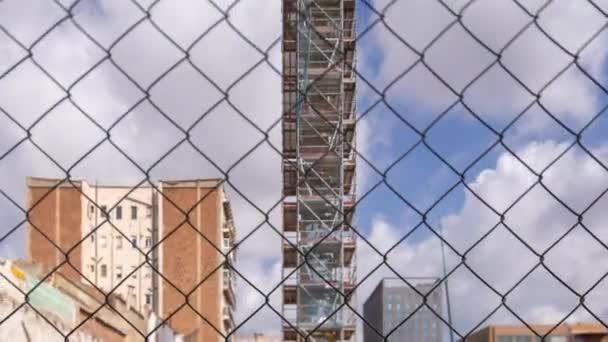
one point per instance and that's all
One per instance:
(227, 313)
(228, 229)
(229, 281)
(228, 248)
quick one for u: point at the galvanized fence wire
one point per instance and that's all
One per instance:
(377, 19)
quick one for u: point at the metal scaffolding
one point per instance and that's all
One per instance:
(319, 169)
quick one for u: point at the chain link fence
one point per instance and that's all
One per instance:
(480, 146)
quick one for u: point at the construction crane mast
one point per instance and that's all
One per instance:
(319, 248)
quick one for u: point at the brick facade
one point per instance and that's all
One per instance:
(194, 266)
(581, 332)
(54, 226)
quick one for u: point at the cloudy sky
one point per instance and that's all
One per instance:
(496, 95)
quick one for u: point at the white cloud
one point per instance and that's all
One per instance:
(501, 259)
(184, 95)
(458, 58)
(105, 94)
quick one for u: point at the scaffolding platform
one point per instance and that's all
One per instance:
(319, 170)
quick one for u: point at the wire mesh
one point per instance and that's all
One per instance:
(480, 133)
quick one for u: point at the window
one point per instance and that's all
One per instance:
(148, 298)
(133, 212)
(134, 241)
(104, 241)
(93, 238)
(119, 213)
(131, 291)
(149, 211)
(118, 272)
(133, 272)
(148, 241)
(92, 209)
(92, 268)
(104, 211)
(104, 270)
(119, 242)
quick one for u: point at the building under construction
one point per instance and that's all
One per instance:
(319, 170)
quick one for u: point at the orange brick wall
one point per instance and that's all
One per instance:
(188, 259)
(55, 213)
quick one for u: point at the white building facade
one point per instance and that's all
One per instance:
(118, 234)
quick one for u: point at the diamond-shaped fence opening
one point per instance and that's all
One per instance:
(304, 170)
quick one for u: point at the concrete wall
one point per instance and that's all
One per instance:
(392, 302)
(401, 301)
(372, 313)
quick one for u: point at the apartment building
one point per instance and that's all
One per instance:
(107, 231)
(114, 237)
(198, 235)
(580, 332)
(392, 302)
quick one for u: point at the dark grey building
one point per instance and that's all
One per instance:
(392, 302)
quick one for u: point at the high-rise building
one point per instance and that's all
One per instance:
(580, 332)
(197, 236)
(319, 169)
(395, 307)
(114, 238)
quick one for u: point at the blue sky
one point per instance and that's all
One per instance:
(458, 137)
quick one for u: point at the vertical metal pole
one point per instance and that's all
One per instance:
(299, 104)
(341, 141)
(446, 285)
